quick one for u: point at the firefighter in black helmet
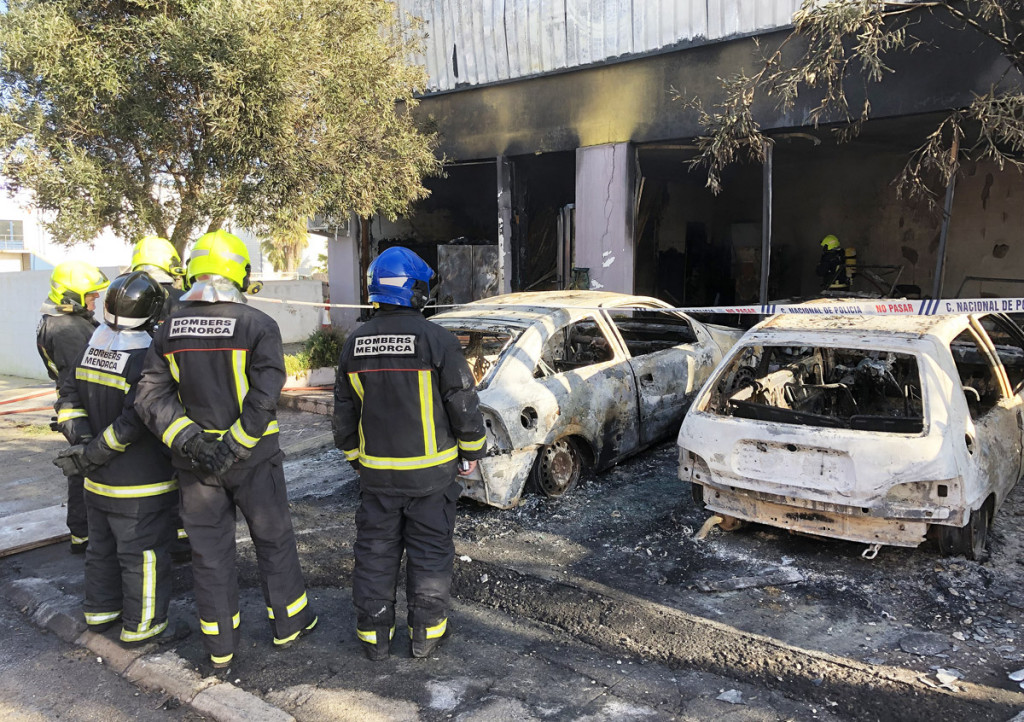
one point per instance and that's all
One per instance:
(209, 391)
(130, 488)
(405, 410)
(159, 258)
(61, 336)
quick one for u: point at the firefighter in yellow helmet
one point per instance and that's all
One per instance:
(831, 266)
(209, 391)
(61, 337)
(158, 257)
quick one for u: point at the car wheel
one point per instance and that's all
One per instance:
(558, 468)
(971, 539)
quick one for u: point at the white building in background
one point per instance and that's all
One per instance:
(25, 245)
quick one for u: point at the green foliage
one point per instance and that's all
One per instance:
(296, 363)
(284, 247)
(143, 116)
(324, 347)
(844, 43)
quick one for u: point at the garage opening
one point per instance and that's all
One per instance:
(543, 206)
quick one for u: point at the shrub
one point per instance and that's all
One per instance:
(296, 363)
(323, 347)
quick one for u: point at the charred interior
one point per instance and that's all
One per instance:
(828, 387)
(482, 348)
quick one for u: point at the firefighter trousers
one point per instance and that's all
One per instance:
(77, 517)
(127, 568)
(208, 509)
(422, 527)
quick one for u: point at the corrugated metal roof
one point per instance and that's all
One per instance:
(475, 42)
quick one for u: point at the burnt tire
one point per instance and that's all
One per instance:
(557, 469)
(971, 539)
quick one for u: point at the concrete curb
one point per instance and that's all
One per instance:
(322, 403)
(154, 671)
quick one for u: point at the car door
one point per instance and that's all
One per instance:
(1007, 341)
(992, 434)
(590, 380)
(668, 362)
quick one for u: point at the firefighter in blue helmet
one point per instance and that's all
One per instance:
(209, 391)
(405, 411)
(130, 488)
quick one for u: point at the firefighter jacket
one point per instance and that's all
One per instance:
(61, 337)
(98, 400)
(215, 367)
(172, 299)
(405, 404)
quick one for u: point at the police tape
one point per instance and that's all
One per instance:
(869, 307)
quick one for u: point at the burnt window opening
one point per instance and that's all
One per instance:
(572, 347)
(651, 331)
(1009, 347)
(482, 349)
(978, 379)
(829, 387)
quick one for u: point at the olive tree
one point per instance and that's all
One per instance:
(176, 116)
(839, 44)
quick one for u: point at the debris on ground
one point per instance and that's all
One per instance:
(772, 578)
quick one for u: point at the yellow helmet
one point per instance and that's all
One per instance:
(222, 254)
(156, 253)
(72, 281)
(830, 242)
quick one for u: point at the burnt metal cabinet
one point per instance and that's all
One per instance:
(468, 272)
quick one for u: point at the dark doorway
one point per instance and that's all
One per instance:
(544, 189)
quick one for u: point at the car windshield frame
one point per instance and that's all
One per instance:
(791, 417)
(463, 324)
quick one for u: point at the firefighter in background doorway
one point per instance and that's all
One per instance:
(130, 488)
(209, 391)
(833, 266)
(405, 410)
(158, 258)
(61, 337)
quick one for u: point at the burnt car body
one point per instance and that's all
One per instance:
(872, 429)
(574, 379)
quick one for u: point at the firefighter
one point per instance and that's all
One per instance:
(158, 257)
(405, 410)
(832, 265)
(209, 392)
(130, 489)
(61, 337)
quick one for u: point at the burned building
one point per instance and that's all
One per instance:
(569, 155)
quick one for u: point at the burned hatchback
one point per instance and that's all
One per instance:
(881, 430)
(570, 380)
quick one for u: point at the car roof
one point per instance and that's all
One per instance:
(943, 327)
(527, 307)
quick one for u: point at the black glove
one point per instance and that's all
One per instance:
(202, 450)
(223, 459)
(72, 461)
(54, 426)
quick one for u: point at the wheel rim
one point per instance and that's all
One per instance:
(559, 468)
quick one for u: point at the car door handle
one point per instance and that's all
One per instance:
(646, 379)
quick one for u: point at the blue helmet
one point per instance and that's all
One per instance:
(400, 277)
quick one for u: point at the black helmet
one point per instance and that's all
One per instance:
(133, 300)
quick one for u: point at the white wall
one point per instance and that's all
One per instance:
(22, 294)
(604, 216)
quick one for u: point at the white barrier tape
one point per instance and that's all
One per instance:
(873, 307)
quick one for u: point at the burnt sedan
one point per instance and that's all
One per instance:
(570, 380)
(880, 430)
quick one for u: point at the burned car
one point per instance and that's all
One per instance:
(575, 379)
(874, 429)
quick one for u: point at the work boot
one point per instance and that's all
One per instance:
(426, 639)
(170, 633)
(221, 663)
(376, 643)
(285, 643)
